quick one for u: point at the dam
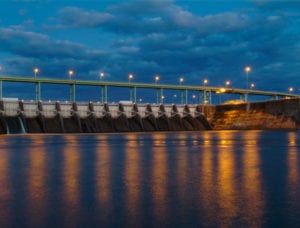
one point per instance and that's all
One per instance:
(18, 117)
(279, 111)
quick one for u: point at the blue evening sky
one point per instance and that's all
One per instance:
(196, 39)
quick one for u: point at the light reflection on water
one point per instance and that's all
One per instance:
(210, 178)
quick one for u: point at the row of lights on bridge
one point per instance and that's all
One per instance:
(157, 78)
(130, 76)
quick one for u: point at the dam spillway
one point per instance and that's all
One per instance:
(17, 117)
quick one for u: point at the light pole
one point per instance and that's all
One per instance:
(194, 97)
(162, 99)
(101, 75)
(71, 73)
(181, 80)
(102, 87)
(205, 81)
(36, 71)
(227, 83)
(247, 70)
(291, 89)
(252, 85)
(72, 86)
(156, 79)
(130, 77)
(174, 98)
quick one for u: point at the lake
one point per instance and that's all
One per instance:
(179, 179)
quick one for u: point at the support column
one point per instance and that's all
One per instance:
(134, 94)
(102, 94)
(161, 95)
(72, 92)
(186, 96)
(181, 96)
(0, 89)
(37, 91)
(246, 97)
(105, 93)
(199, 97)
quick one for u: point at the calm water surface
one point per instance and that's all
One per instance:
(207, 179)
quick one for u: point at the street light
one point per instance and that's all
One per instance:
(194, 97)
(35, 70)
(205, 81)
(227, 83)
(130, 77)
(291, 89)
(174, 97)
(156, 79)
(101, 75)
(247, 70)
(181, 80)
(102, 87)
(252, 85)
(70, 72)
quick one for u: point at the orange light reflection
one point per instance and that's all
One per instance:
(293, 170)
(182, 173)
(208, 188)
(36, 181)
(227, 186)
(5, 193)
(133, 180)
(159, 177)
(71, 171)
(252, 186)
(103, 174)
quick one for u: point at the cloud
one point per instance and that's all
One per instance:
(160, 37)
(34, 49)
(144, 17)
(76, 17)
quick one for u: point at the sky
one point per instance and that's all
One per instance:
(193, 39)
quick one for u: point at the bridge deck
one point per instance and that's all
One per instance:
(212, 89)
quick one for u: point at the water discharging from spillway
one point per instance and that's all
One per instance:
(14, 125)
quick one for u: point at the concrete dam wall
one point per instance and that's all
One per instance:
(266, 115)
(64, 117)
